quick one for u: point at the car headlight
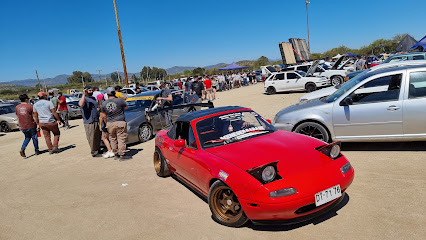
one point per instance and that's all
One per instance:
(346, 168)
(268, 173)
(283, 192)
(335, 151)
(332, 150)
(265, 174)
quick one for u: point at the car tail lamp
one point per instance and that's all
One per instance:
(283, 192)
(346, 78)
(331, 150)
(265, 174)
(346, 168)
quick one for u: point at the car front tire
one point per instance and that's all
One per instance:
(310, 87)
(4, 127)
(224, 205)
(314, 130)
(336, 80)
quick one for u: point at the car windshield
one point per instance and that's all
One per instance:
(138, 105)
(345, 87)
(302, 73)
(7, 109)
(231, 127)
(72, 98)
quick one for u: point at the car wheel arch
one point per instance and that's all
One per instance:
(315, 121)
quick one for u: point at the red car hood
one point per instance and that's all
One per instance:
(295, 153)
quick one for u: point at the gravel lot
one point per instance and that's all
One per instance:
(71, 195)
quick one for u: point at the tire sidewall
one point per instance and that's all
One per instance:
(321, 128)
(310, 87)
(270, 90)
(164, 169)
(150, 132)
(238, 223)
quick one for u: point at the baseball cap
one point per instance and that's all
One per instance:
(88, 87)
(110, 90)
(100, 97)
(41, 94)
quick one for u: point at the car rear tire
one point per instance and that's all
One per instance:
(4, 127)
(145, 132)
(225, 207)
(314, 130)
(160, 165)
(271, 91)
(336, 80)
(310, 87)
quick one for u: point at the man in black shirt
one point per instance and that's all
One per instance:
(165, 100)
(198, 87)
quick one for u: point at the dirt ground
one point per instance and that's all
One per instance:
(71, 195)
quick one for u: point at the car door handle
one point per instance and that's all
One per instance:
(393, 108)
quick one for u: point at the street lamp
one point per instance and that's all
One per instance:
(307, 21)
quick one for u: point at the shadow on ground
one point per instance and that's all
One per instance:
(2, 134)
(384, 146)
(317, 220)
(133, 152)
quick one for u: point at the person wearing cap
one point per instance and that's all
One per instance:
(90, 114)
(64, 110)
(47, 118)
(28, 126)
(112, 112)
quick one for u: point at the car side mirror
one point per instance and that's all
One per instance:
(347, 101)
(180, 143)
(269, 121)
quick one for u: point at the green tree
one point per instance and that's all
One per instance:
(87, 77)
(75, 78)
(187, 73)
(262, 61)
(134, 78)
(114, 77)
(198, 71)
(145, 73)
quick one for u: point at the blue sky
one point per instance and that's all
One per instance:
(58, 37)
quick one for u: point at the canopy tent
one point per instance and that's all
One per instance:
(337, 56)
(351, 54)
(421, 43)
(232, 66)
(405, 44)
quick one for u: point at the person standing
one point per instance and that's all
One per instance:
(47, 118)
(24, 112)
(208, 86)
(118, 94)
(53, 99)
(179, 84)
(360, 63)
(96, 92)
(105, 135)
(89, 110)
(112, 112)
(165, 101)
(198, 88)
(64, 110)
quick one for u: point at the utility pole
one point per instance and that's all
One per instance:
(82, 80)
(307, 21)
(39, 84)
(99, 71)
(45, 87)
(118, 75)
(121, 45)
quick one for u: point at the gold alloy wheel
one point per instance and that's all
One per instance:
(226, 205)
(157, 162)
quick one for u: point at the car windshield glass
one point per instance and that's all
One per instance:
(345, 87)
(231, 127)
(6, 109)
(303, 74)
(72, 98)
(138, 105)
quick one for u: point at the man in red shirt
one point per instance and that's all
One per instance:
(64, 109)
(209, 89)
(24, 112)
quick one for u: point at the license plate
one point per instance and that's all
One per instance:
(328, 195)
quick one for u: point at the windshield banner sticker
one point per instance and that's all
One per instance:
(233, 116)
(242, 132)
(223, 175)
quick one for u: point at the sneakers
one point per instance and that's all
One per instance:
(108, 155)
(37, 152)
(22, 152)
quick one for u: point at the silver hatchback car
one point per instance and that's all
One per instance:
(384, 105)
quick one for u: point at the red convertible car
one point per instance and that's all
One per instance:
(250, 171)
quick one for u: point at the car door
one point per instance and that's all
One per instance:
(186, 157)
(414, 110)
(376, 111)
(293, 81)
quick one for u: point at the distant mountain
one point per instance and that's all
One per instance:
(181, 69)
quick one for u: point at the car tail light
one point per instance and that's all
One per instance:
(346, 78)
(265, 174)
(332, 150)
